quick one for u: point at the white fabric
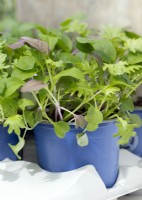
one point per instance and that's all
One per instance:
(21, 180)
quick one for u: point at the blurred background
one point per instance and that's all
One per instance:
(7, 9)
(124, 13)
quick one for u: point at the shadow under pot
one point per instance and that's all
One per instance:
(135, 143)
(56, 154)
(5, 139)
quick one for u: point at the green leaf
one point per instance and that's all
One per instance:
(109, 90)
(29, 116)
(54, 63)
(26, 63)
(37, 116)
(69, 58)
(23, 103)
(51, 40)
(15, 124)
(127, 104)
(111, 32)
(85, 48)
(23, 74)
(2, 85)
(116, 68)
(12, 84)
(125, 131)
(131, 69)
(135, 119)
(42, 29)
(28, 95)
(61, 128)
(75, 25)
(64, 41)
(4, 75)
(79, 16)
(105, 49)
(42, 96)
(80, 88)
(94, 117)
(2, 58)
(131, 34)
(19, 146)
(9, 106)
(134, 45)
(85, 40)
(85, 44)
(73, 72)
(82, 139)
(134, 58)
(124, 80)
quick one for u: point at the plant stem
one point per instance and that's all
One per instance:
(48, 118)
(44, 113)
(56, 103)
(67, 110)
(78, 107)
(37, 100)
(27, 128)
(102, 102)
(133, 89)
(50, 76)
(2, 113)
(72, 113)
(54, 99)
(25, 133)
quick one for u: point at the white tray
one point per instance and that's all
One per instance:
(21, 180)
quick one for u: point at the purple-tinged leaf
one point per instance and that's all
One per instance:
(37, 44)
(33, 86)
(18, 44)
(75, 51)
(80, 121)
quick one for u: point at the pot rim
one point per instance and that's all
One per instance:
(72, 125)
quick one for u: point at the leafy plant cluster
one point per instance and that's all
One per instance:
(70, 75)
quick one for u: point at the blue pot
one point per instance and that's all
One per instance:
(60, 155)
(135, 143)
(5, 138)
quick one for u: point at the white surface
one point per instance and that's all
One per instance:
(137, 193)
(129, 197)
(25, 181)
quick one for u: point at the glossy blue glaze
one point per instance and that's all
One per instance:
(5, 139)
(135, 143)
(59, 155)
